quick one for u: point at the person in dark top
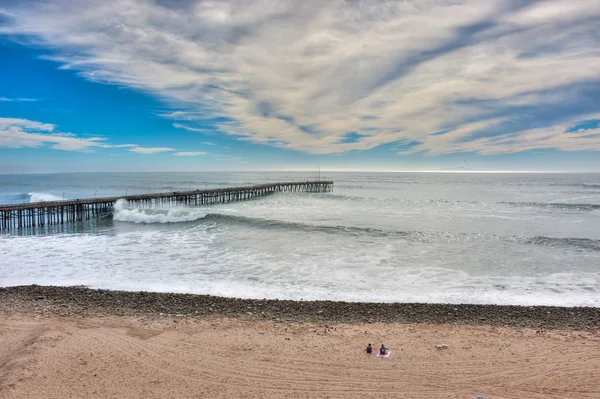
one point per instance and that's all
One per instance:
(382, 350)
(369, 349)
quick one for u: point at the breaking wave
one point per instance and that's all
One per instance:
(555, 205)
(590, 185)
(123, 213)
(140, 215)
(415, 236)
(42, 197)
(543, 205)
(581, 243)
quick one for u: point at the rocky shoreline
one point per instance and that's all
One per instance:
(83, 301)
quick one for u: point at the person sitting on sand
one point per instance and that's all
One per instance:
(369, 349)
(382, 350)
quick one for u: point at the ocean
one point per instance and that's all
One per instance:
(489, 238)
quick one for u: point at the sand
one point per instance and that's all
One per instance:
(95, 356)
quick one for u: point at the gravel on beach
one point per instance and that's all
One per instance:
(83, 301)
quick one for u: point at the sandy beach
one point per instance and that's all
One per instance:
(49, 353)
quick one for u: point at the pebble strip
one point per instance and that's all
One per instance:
(82, 301)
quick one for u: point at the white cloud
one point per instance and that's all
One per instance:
(191, 129)
(220, 157)
(27, 124)
(215, 145)
(24, 99)
(190, 154)
(301, 75)
(559, 137)
(150, 150)
(20, 133)
(180, 115)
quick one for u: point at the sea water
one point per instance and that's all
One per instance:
(411, 237)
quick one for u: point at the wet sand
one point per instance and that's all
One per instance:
(61, 348)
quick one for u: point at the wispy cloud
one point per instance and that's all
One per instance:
(190, 154)
(24, 99)
(215, 145)
(206, 130)
(150, 150)
(5, 13)
(180, 115)
(189, 128)
(219, 157)
(20, 133)
(304, 75)
(560, 136)
(24, 133)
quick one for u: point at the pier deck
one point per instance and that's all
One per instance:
(30, 215)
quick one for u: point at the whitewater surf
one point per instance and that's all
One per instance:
(452, 238)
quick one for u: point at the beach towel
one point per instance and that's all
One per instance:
(387, 354)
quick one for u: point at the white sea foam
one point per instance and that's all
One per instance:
(42, 197)
(142, 215)
(380, 238)
(202, 260)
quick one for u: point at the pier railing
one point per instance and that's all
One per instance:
(60, 212)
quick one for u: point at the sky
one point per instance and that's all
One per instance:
(187, 85)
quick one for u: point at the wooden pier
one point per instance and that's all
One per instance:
(39, 214)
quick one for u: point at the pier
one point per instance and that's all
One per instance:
(31, 215)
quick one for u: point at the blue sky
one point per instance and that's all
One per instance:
(156, 85)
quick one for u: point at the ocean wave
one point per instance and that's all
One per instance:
(515, 204)
(580, 185)
(582, 243)
(420, 236)
(42, 197)
(555, 205)
(590, 185)
(297, 226)
(122, 213)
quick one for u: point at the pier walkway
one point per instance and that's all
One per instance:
(31, 215)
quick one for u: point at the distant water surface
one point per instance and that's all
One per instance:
(419, 237)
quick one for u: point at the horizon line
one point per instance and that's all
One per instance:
(322, 171)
